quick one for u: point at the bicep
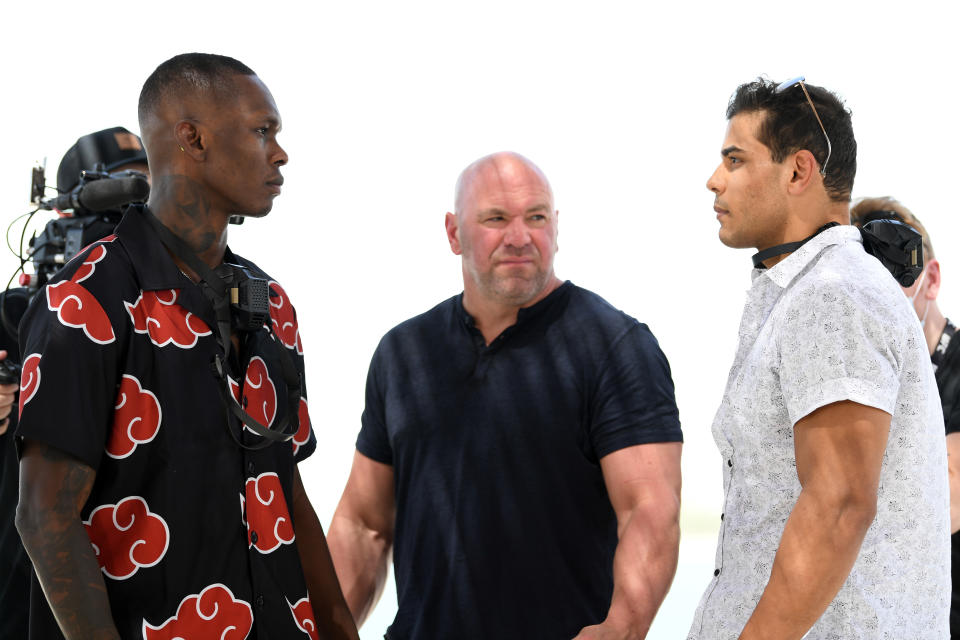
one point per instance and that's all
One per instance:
(368, 497)
(840, 446)
(643, 476)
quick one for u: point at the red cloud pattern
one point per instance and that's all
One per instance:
(212, 614)
(89, 264)
(303, 615)
(109, 238)
(127, 536)
(266, 513)
(136, 418)
(259, 392)
(29, 379)
(158, 314)
(284, 318)
(76, 307)
(302, 436)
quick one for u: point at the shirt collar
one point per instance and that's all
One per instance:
(524, 314)
(783, 273)
(153, 265)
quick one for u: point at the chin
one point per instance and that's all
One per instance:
(254, 213)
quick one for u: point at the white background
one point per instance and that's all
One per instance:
(620, 103)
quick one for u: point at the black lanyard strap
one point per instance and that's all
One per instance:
(217, 292)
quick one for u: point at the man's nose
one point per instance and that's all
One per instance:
(714, 183)
(280, 157)
(517, 234)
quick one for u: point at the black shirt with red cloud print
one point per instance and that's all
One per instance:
(193, 532)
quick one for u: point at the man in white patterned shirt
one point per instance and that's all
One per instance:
(836, 515)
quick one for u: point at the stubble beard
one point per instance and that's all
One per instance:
(514, 291)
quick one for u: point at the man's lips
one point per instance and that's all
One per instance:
(515, 262)
(275, 184)
(720, 211)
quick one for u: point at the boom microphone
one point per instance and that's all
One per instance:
(101, 195)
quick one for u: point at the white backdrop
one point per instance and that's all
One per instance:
(621, 104)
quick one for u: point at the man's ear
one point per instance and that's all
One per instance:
(804, 170)
(933, 279)
(190, 138)
(453, 232)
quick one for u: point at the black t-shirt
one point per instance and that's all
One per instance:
(185, 523)
(504, 528)
(946, 358)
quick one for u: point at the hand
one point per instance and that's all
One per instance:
(606, 631)
(8, 393)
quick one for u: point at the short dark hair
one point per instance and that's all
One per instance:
(189, 73)
(789, 126)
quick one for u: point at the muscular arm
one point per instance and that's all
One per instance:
(53, 490)
(643, 482)
(361, 534)
(953, 468)
(839, 450)
(330, 611)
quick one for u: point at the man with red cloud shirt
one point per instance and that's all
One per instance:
(151, 505)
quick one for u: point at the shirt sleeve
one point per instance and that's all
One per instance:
(70, 371)
(835, 345)
(373, 440)
(303, 448)
(634, 400)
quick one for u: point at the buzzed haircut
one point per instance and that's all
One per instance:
(789, 125)
(198, 73)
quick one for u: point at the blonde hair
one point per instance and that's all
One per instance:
(864, 206)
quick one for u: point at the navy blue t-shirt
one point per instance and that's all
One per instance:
(504, 527)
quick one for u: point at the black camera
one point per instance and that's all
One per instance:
(897, 246)
(9, 372)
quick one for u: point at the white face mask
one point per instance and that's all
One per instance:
(923, 319)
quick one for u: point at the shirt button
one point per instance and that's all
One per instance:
(721, 517)
(250, 467)
(716, 572)
(729, 462)
(260, 602)
(254, 537)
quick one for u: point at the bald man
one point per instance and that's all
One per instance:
(519, 451)
(160, 496)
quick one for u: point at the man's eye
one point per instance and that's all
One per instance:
(262, 130)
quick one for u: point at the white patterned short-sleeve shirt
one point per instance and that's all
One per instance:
(826, 324)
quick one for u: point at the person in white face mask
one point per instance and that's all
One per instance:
(944, 350)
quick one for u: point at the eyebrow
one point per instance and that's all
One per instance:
(731, 149)
(500, 212)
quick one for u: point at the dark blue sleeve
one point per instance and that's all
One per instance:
(634, 399)
(374, 441)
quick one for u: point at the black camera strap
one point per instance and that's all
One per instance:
(217, 292)
(788, 247)
(897, 246)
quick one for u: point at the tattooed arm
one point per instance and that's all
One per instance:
(53, 489)
(329, 608)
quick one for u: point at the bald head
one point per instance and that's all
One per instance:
(501, 168)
